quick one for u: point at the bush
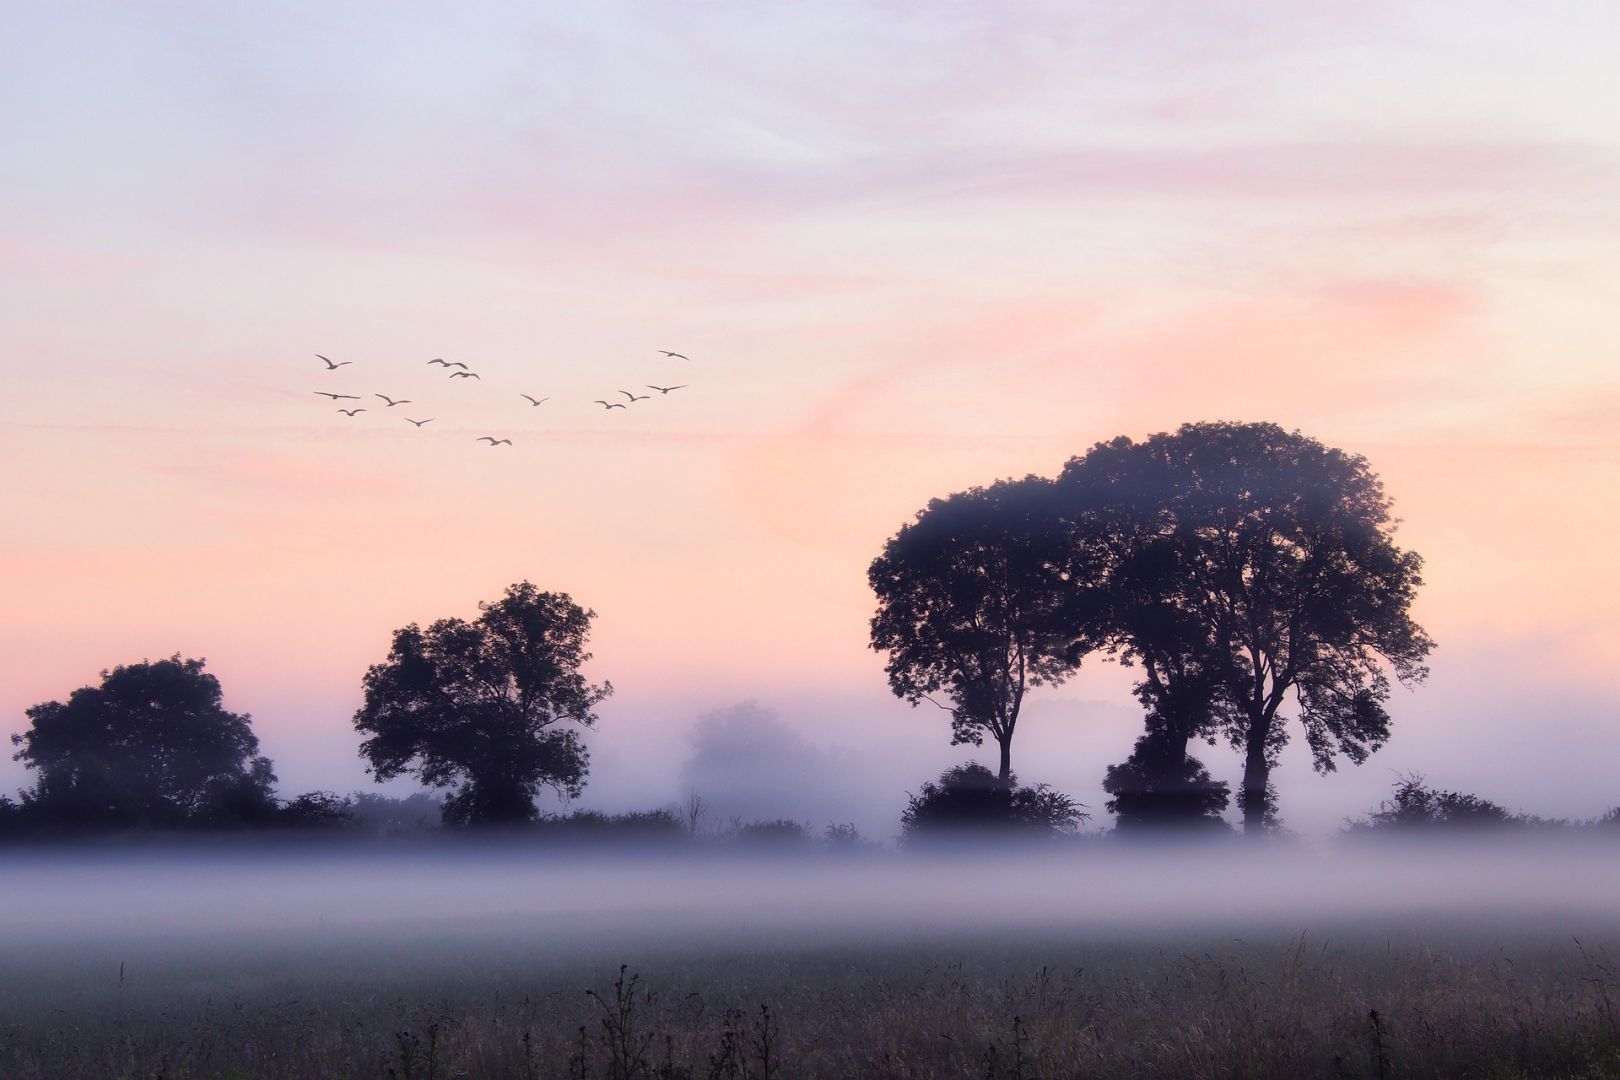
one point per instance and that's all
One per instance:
(384, 813)
(1164, 788)
(317, 810)
(1416, 806)
(636, 826)
(970, 800)
(778, 834)
(845, 839)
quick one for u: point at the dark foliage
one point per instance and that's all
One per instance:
(775, 835)
(151, 746)
(317, 810)
(478, 709)
(970, 603)
(634, 827)
(971, 801)
(383, 813)
(1250, 567)
(845, 838)
(1415, 806)
(1161, 786)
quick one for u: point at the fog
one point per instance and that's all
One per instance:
(427, 892)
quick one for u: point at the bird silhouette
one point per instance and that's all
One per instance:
(665, 389)
(447, 363)
(339, 397)
(634, 398)
(419, 423)
(391, 401)
(330, 366)
(534, 400)
(493, 441)
(611, 404)
(350, 412)
(666, 352)
(465, 375)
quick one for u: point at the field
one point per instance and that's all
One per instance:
(369, 966)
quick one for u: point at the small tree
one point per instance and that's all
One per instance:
(970, 598)
(481, 708)
(151, 746)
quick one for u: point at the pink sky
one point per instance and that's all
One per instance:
(910, 249)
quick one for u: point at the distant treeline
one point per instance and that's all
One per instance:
(1247, 574)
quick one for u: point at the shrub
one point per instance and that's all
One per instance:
(970, 800)
(778, 834)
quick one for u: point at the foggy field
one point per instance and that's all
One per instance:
(1485, 959)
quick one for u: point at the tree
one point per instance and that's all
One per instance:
(1256, 566)
(969, 598)
(152, 745)
(478, 708)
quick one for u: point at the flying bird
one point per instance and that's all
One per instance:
(330, 366)
(611, 404)
(465, 375)
(391, 401)
(339, 397)
(350, 412)
(447, 363)
(493, 441)
(534, 400)
(633, 398)
(419, 423)
(666, 352)
(665, 389)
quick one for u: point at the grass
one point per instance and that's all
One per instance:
(1491, 1001)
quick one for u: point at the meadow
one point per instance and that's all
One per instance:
(506, 963)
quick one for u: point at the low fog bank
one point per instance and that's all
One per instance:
(285, 895)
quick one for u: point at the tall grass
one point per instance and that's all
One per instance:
(1367, 1003)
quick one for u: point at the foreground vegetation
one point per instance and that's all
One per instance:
(1375, 1001)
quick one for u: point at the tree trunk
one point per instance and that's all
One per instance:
(1006, 761)
(1256, 781)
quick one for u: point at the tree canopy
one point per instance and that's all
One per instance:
(1254, 566)
(488, 710)
(970, 596)
(151, 746)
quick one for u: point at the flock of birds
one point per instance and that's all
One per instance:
(467, 373)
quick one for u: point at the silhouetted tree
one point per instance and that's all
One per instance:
(151, 746)
(476, 707)
(1262, 563)
(969, 800)
(969, 598)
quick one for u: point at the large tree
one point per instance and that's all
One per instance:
(1260, 571)
(971, 603)
(489, 710)
(152, 745)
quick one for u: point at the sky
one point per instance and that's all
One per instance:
(909, 249)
